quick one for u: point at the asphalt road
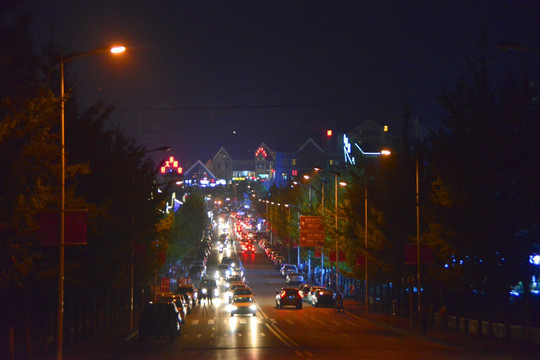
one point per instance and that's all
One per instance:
(313, 333)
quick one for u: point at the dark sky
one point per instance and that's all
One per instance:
(203, 74)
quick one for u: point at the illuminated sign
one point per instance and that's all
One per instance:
(260, 151)
(171, 166)
(347, 151)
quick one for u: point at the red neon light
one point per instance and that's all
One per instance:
(260, 151)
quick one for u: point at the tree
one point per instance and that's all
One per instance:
(484, 207)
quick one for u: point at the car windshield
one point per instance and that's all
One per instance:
(238, 299)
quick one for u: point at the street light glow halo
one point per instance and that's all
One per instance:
(117, 49)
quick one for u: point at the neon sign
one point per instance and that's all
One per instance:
(260, 151)
(170, 166)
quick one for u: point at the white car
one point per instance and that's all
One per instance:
(295, 278)
(287, 268)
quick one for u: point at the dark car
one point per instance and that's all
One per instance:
(323, 297)
(289, 296)
(160, 320)
(179, 301)
(189, 291)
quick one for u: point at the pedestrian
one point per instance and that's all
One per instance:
(351, 291)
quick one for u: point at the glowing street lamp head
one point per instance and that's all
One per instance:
(385, 152)
(117, 49)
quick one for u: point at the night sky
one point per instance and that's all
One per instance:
(199, 75)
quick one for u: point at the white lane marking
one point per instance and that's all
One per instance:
(274, 321)
(352, 323)
(195, 322)
(211, 321)
(242, 321)
(278, 335)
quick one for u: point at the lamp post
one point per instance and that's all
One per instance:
(61, 245)
(132, 275)
(377, 154)
(341, 183)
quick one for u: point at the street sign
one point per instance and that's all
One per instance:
(165, 284)
(311, 231)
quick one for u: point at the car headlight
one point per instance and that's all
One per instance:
(227, 285)
(252, 307)
(234, 307)
(216, 292)
(204, 291)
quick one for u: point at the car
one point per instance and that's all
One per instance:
(233, 278)
(196, 272)
(233, 286)
(295, 278)
(160, 320)
(249, 249)
(229, 261)
(304, 289)
(323, 297)
(243, 291)
(189, 291)
(178, 300)
(286, 268)
(243, 304)
(288, 296)
(312, 290)
(222, 272)
(278, 260)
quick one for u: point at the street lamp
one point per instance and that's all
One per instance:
(161, 148)
(60, 314)
(383, 152)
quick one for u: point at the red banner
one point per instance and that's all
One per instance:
(342, 256)
(426, 254)
(74, 227)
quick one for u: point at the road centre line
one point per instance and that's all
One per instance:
(281, 336)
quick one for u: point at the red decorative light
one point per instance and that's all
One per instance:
(329, 133)
(171, 165)
(260, 151)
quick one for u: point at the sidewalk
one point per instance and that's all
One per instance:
(446, 337)
(96, 347)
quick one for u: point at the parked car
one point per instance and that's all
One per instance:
(289, 296)
(304, 289)
(294, 278)
(286, 268)
(323, 297)
(160, 320)
(243, 304)
(190, 292)
(278, 261)
(312, 290)
(178, 300)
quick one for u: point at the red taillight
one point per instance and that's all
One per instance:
(300, 294)
(282, 294)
